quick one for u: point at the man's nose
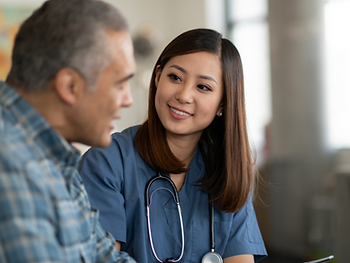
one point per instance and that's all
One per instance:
(128, 99)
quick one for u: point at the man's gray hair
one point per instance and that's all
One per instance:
(63, 33)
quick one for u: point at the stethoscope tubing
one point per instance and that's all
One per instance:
(212, 256)
(177, 201)
(160, 176)
(212, 234)
(175, 193)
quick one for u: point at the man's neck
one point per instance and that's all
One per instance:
(48, 105)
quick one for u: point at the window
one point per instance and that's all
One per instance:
(247, 27)
(337, 92)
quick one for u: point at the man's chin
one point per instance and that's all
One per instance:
(104, 142)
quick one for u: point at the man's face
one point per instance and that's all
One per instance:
(111, 92)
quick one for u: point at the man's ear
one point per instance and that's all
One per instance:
(69, 85)
(158, 74)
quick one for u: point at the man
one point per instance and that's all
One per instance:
(71, 65)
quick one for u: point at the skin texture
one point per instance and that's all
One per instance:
(240, 259)
(82, 115)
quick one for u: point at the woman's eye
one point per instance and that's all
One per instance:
(203, 87)
(173, 77)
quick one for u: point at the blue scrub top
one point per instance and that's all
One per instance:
(115, 179)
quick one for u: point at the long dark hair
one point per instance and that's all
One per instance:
(224, 143)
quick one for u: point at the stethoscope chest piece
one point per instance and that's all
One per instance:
(212, 257)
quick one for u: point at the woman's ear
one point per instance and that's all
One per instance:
(158, 74)
(220, 110)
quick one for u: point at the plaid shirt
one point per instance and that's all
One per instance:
(45, 215)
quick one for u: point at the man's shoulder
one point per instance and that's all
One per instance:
(14, 146)
(18, 153)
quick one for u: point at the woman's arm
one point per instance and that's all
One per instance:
(240, 259)
(117, 245)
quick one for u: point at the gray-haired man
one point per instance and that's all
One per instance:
(71, 65)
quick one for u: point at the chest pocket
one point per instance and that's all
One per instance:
(74, 225)
(76, 222)
(75, 231)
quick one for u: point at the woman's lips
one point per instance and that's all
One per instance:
(179, 114)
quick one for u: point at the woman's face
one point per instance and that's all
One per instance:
(189, 93)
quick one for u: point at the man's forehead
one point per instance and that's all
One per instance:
(122, 52)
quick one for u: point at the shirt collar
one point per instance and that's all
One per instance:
(50, 143)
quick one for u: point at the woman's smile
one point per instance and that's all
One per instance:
(179, 114)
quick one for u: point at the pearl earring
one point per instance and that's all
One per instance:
(220, 114)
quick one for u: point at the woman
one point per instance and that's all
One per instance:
(195, 135)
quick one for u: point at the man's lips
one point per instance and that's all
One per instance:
(111, 125)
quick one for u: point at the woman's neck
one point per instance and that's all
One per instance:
(184, 148)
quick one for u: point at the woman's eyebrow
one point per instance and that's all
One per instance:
(199, 76)
(179, 68)
(207, 77)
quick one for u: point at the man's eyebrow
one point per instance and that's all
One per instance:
(126, 78)
(199, 76)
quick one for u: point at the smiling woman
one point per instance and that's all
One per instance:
(195, 140)
(188, 96)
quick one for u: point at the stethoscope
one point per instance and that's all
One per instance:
(211, 256)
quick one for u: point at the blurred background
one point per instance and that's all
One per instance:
(296, 58)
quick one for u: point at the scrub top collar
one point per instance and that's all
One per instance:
(196, 171)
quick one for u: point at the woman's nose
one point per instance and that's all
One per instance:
(185, 93)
